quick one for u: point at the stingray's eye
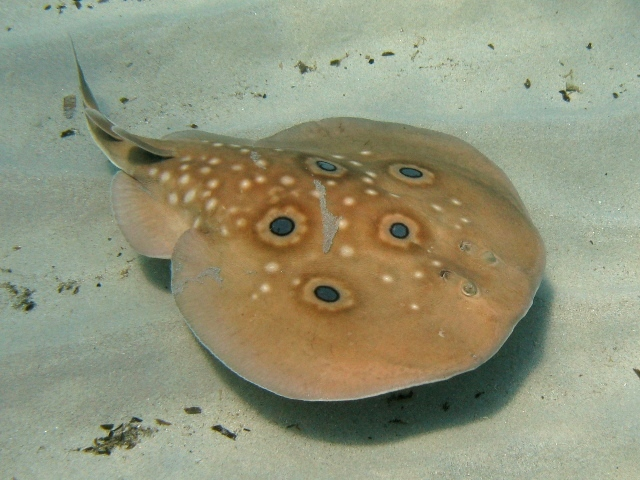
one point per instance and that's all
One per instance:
(325, 168)
(412, 174)
(399, 230)
(282, 226)
(327, 294)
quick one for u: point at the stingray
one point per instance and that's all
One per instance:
(335, 260)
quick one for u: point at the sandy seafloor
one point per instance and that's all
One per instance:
(559, 400)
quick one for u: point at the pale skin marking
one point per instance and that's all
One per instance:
(205, 170)
(348, 201)
(213, 161)
(272, 267)
(244, 150)
(418, 274)
(236, 168)
(205, 194)
(343, 223)
(337, 157)
(211, 204)
(184, 179)
(365, 152)
(218, 144)
(265, 288)
(346, 251)
(371, 174)
(173, 198)
(189, 196)
(387, 278)
(465, 220)
(245, 185)
(213, 183)
(353, 162)
(456, 202)
(367, 180)
(197, 222)
(414, 306)
(186, 158)
(241, 222)
(436, 263)
(165, 177)
(260, 179)
(184, 168)
(287, 181)
(153, 171)
(370, 191)
(436, 207)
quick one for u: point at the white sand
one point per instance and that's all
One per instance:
(560, 400)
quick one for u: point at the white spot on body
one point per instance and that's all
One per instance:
(353, 162)
(213, 161)
(165, 177)
(456, 202)
(153, 171)
(236, 168)
(205, 170)
(213, 183)
(436, 263)
(245, 185)
(287, 181)
(387, 278)
(218, 144)
(348, 201)
(465, 220)
(365, 152)
(272, 267)
(343, 223)
(241, 222)
(414, 306)
(173, 198)
(418, 274)
(211, 204)
(260, 179)
(265, 288)
(189, 196)
(370, 191)
(436, 207)
(184, 168)
(338, 157)
(346, 251)
(367, 180)
(244, 150)
(186, 158)
(184, 179)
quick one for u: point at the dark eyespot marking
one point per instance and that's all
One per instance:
(410, 172)
(282, 226)
(326, 166)
(326, 293)
(399, 230)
